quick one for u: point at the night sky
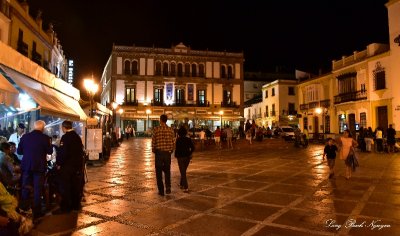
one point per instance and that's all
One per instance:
(305, 35)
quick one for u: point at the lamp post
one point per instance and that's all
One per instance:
(148, 112)
(220, 114)
(91, 87)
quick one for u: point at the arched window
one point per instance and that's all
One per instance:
(194, 70)
(165, 69)
(187, 69)
(158, 68)
(180, 70)
(223, 71)
(127, 67)
(173, 69)
(135, 68)
(230, 72)
(201, 70)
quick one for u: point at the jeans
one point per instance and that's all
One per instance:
(163, 164)
(36, 180)
(183, 163)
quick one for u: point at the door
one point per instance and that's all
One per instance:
(382, 114)
(352, 124)
(316, 127)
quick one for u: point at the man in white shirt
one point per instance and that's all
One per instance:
(202, 138)
(16, 137)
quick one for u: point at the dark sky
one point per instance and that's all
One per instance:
(306, 35)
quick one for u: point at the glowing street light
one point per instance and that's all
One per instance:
(148, 112)
(92, 88)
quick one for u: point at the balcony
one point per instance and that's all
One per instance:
(131, 103)
(304, 107)
(351, 96)
(323, 103)
(230, 104)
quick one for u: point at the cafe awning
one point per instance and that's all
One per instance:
(8, 94)
(49, 100)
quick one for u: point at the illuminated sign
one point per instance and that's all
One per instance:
(70, 71)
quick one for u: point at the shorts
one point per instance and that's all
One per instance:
(217, 139)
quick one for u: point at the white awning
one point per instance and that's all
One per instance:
(50, 101)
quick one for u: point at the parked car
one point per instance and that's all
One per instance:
(286, 132)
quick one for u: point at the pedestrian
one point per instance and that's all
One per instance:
(368, 139)
(330, 154)
(217, 137)
(391, 138)
(183, 152)
(248, 135)
(347, 148)
(163, 142)
(34, 146)
(379, 139)
(70, 165)
(202, 136)
(16, 137)
(229, 134)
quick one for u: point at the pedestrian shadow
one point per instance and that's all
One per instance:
(54, 224)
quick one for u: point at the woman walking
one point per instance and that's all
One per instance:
(347, 148)
(183, 152)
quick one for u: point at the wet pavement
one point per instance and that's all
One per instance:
(267, 188)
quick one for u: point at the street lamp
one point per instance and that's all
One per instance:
(91, 87)
(220, 114)
(148, 112)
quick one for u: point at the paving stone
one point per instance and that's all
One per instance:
(111, 228)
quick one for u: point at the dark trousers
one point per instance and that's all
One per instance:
(71, 188)
(163, 164)
(35, 180)
(183, 163)
(379, 144)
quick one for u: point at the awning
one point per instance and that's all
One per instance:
(50, 101)
(8, 94)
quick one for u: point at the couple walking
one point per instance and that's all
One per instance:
(163, 145)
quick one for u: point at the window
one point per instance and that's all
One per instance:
(180, 96)
(201, 97)
(165, 69)
(194, 70)
(327, 124)
(290, 90)
(201, 70)
(127, 67)
(273, 92)
(223, 72)
(180, 69)
(158, 96)
(230, 72)
(380, 78)
(347, 83)
(266, 111)
(135, 68)
(187, 69)
(266, 93)
(227, 97)
(273, 110)
(158, 68)
(173, 69)
(291, 108)
(130, 95)
(305, 123)
(363, 89)
(363, 119)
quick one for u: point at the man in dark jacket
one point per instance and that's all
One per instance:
(34, 147)
(70, 163)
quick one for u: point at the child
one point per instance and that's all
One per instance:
(330, 152)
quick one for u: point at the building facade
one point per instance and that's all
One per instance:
(201, 88)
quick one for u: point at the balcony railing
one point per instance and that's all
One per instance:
(231, 104)
(273, 113)
(304, 106)
(266, 114)
(323, 103)
(350, 97)
(131, 103)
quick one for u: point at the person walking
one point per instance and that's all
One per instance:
(34, 146)
(202, 136)
(347, 148)
(391, 138)
(379, 139)
(368, 138)
(163, 142)
(330, 154)
(217, 137)
(70, 164)
(229, 134)
(183, 152)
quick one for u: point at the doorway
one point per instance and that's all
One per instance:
(382, 115)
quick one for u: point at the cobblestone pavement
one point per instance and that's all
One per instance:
(267, 188)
